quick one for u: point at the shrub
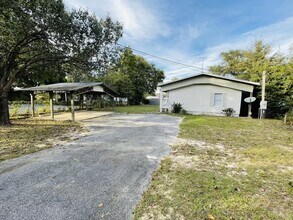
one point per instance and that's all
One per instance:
(176, 107)
(15, 107)
(228, 111)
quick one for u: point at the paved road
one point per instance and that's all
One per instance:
(100, 176)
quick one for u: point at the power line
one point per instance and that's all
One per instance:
(164, 59)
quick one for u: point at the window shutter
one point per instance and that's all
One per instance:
(212, 99)
(224, 100)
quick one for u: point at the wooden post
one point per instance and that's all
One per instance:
(161, 99)
(112, 102)
(99, 102)
(81, 98)
(72, 109)
(86, 102)
(33, 104)
(102, 101)
(51, 104)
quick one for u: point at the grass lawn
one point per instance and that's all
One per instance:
(136, 109)
(30, 135)
(224, 168)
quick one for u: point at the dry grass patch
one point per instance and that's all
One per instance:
(30, 135)
(224, 168)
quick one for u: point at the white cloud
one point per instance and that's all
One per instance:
(278, 35)
(146, 28)
(141, 21)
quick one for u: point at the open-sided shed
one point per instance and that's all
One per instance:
(96, 89)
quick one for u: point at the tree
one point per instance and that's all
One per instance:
(133, 77)
(39, 39)
(249, 65)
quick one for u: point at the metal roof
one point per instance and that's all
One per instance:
(70, 87)
(66, 87)
(215, 76)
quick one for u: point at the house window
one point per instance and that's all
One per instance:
(218, 99)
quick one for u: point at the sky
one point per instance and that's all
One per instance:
(195, 32)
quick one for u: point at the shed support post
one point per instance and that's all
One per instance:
(33, 104)
(72, 108)
(161, 99)
(112, 102)
(81, 99)
(51, 104)
(87, 102)
(99, 102)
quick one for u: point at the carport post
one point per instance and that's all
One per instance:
(33, 104)
(99, 102)
(51, 104)
(72, 109)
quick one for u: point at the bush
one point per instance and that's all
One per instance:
(15, 107)
(228, 111)
(176, 107)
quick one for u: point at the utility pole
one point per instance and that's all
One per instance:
(263, 103)
(201, 59)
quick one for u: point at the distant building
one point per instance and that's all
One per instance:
(207, 94)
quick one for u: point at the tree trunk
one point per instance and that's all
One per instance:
(4, 109)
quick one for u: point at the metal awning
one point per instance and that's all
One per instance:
(74, 87)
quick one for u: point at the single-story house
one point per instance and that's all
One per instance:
(207, 94)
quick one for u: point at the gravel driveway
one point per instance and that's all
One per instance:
(100, 176)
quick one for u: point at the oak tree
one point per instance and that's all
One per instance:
(40, 39)
(133, 77)
(248, 64)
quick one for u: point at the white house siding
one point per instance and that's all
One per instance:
(198, 99)
(207, 80)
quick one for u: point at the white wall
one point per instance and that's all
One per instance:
(207, 80)
(198, 99)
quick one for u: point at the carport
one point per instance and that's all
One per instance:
(70, 91)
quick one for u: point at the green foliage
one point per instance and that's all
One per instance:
(41, 42)
(133, 77)
(176, 107)
(228, 111)
(42, 98)
(249, 65)
(15, 107)
(43, 110)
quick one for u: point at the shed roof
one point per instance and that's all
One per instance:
(212, 75)
(69, 87)
(61, 87)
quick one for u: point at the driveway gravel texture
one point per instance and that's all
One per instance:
(99, 176)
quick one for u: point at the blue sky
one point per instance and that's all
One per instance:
(196, 32)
